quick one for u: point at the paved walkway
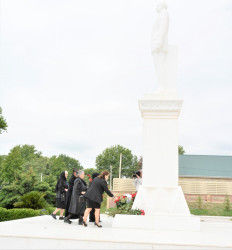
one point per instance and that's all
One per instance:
(46, 233)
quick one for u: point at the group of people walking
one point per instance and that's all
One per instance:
(79, 200)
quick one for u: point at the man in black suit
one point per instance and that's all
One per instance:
(70, 190)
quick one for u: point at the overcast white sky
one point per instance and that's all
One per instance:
(72, 72)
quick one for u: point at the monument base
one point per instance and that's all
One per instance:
(165, 209)
(157, 222)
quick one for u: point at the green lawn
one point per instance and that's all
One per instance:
(210, 209)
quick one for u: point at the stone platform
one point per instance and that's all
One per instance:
(46, 233)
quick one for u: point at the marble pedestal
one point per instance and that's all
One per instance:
(160, 196)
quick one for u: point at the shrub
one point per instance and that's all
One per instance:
(33, 199)
(17, 213)
(199, 202)
(49, 210)
(227, 203)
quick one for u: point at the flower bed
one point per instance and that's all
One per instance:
(124, 205)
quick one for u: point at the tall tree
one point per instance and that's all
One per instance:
(70, 163)
(12, 165)
(111, 157)
(3, 123)
(61, 163)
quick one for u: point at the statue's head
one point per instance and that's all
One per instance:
(161, 5)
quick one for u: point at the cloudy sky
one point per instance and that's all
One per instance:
(72, 71)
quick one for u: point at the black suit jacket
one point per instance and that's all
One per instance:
(96, 190)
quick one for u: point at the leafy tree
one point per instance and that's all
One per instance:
(28, 152)
(181, 150)
(12, 165)
(111, 156)
(2, 158)
(59, 164)
(56, 166)
(45, 188)
(12, 193)
(70, 163)
(3, 123)
(9, 195)
(40, 166)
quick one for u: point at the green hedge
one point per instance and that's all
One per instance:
(20, 213)
(17, 213)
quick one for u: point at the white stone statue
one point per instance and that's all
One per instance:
(160, 29)
(159, 45)
(164, 56)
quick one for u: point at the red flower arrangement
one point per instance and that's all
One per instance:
(90, 179)
(125, 197)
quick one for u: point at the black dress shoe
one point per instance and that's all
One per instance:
(53, 216)
(66, 220)
(84, 224)
(61, 218)
(98, 225)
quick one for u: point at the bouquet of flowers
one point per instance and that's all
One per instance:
(124, 205)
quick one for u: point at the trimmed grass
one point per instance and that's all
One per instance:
(209, 209)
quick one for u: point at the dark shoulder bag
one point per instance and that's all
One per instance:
(81, 199)
(62, 197)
